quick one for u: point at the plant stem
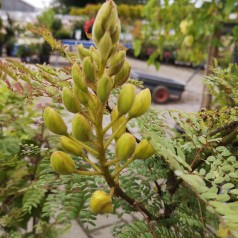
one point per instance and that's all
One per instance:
(112, 162)
(229, 138)
(226, 127)
(86, 147)
(123, 166)
(114, 134)
(111, 124)
(105, 169)
(91, 173)
(91, 163)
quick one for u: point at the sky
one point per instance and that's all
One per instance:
(39, 3)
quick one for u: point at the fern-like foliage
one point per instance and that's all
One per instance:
(223, 85)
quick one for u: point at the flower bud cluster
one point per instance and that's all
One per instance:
(101, 69)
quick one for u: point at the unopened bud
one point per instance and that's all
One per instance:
(89, 71)
(81, 95)
(126, 98)
(78, 77)
(123, 75)
(62, 163)
(81, 128)
(144, 150)
(70, 101)
(93, 103)
(83, 52)
(104, 88)
(112, 21)
(95, 57)
(105, 47)
(116, 34)
(100, 20)
(141, 104)
(70, 146)
(101, 203)
(125, 146)
(117, 62)
(97, 31)
(118, 123)
(54, 122)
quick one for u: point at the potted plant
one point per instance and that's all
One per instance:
(44, 53)
(2, 36)
(10, 39)
(24, 52)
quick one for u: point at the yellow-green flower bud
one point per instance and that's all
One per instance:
(105, 47)
(83, 52)
(118, 123)
(112, 20)
(70, 146)
(81, 128)
(116, 34)
(54, 122)
(89, 71)
(125, 146)
(78, 77)
(101, 203)
(141, 104)
(97, 31)
(62, 163)
(100, 21)
(95, 57)
(126, 98)
(144, 150)
(70, 101)
(81, 95)
(123, 75)
(117, 62)
(104, 88)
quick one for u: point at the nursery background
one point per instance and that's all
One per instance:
(118, 118)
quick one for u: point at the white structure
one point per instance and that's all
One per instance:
(18, 10)
(16, 5)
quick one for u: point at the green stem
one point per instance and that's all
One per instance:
(89, 149)
(91, 173)
(229, 138)
(111, 124)
(123, 166)
(117, 177)
(112, 162)
(89, 117)
(114, 134)
(91, 163)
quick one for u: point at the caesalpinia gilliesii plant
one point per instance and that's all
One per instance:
(98, 71)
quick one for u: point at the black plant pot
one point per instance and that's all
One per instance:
(1, 46)
(44, 59)
(9, 50)
(25, 59)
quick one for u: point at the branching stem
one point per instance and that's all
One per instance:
(114, 134)
(111, 162)
(111, 124)
(123, 166)
(86, 159)
(91, 173)
(86, 147)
